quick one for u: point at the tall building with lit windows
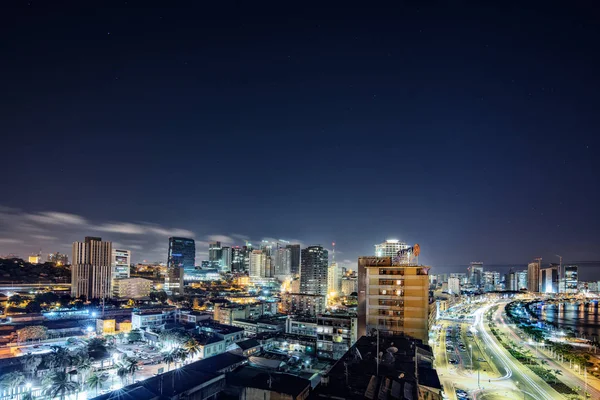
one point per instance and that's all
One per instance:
(181, 258)
(533, 276)
(91, 269)
(121, 261)
(571, 278)
(313, 270)
(392, 297)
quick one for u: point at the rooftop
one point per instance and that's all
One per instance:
(248, 344)
(247, 376)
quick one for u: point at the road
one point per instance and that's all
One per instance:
(569, 377)
(500, 375)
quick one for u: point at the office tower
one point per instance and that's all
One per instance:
(226, 258)
(533, 275)
(549, 279)
(268, 252)
(215, 252)
(257, 264)
(132, 288)
(58, 259)
(35, 259)
(392, 298)
(571, 278)
(181, 258)
(121, 260)
(238, 259)
(454, 285)
(294, 258)
(475, 273)
(282, 263)
(91, 271)
(313, 270)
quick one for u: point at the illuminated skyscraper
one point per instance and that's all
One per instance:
(257, 264)
(313, 270)
(226, 259)
(182, 255)
(282, 263)
(571, 278)
(215, 252)
(533, 275)
(475, 273)
(91, 270)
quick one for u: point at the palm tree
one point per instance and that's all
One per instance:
(131, 364)
(58, 384)
(83, 366)
(27, 396)
(95, 382)
(170, 357)
(59, 358)
(192, 347)
(122, 373)
(11, 381)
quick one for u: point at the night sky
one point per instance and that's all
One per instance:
(469, 128)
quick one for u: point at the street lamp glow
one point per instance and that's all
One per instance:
(28, 385)
(89, 328)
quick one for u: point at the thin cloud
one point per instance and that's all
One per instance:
(44, 237)
(57, 218)
(10, 241)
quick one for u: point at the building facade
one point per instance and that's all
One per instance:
(335, 335)
(313, 270)
(181, 258)
(91, 271)
(121, 261)
(533, 276)
(454, 285)
(294, 258)
(571, 278)
(302, 304)
(392, 298)
(132, 288)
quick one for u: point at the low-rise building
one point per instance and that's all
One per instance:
(336, 333)
(194, 317)
(210, 345)
(155, 319)
(301, 326)
(132, 288)
(106, 326)
(230, 334)
(302, 304)
(253, 327)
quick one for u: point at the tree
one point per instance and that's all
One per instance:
(83, 366)
(95, 382)
(11, 381)
(58, 384)
(59, 358)
(27, 395)
(169, 358)
(33, 307)
(35, 332)
(122, 373)
(181, 354)
(30, 364)
(16, 299)
(192, 347)
(134, 336)
(131, 364)
(162, 296)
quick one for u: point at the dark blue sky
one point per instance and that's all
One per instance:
(469, 128)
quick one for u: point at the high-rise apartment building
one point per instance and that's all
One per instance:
(238, 259)
(282, 261)
(549, 279)
(294, 258)
(313, 270)
(454, 285)
(533, 275)
(258, 262)
(333, 275)
(392, 298)
(91, 269)
(121, 261)
(181, 258)
(571, 278)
